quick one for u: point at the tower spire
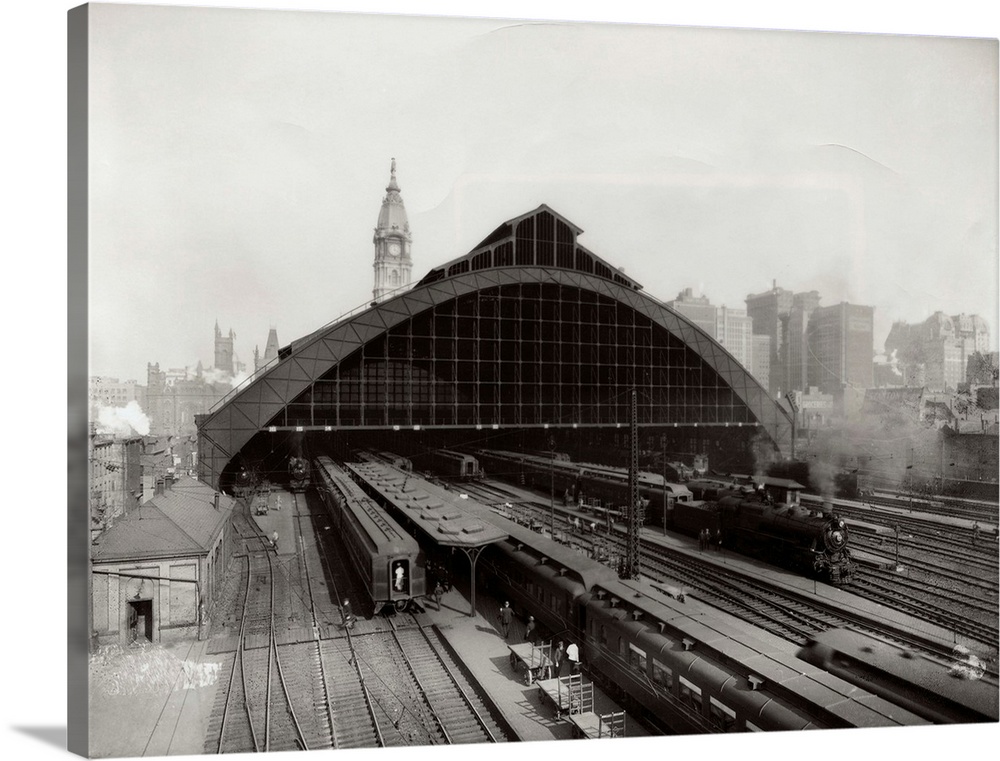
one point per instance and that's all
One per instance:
(393, 186)
(392, 238)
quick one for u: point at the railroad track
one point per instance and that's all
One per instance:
(461, 713)
(352, 718)
(887, 588)
(258, 714)
(944, 507)
(351, 711)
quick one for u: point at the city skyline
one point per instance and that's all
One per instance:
(210, 373)
(245, 188)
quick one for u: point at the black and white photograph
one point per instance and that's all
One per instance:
(444, 376)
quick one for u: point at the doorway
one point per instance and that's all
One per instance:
(140, 621)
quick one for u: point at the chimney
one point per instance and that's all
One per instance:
(159, 487)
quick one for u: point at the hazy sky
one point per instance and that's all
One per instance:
(240, 157)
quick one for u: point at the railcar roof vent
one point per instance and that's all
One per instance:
(542, 560)
(636, 615)
(562, 571)
(756, 682)
(688, 643)
(662, 626)
(600, 594)
(614, 601)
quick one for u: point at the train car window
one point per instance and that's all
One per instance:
(662, 675)
(636, 658)
(722, 715)
(400, 575)
(603, 636)
(690, 693)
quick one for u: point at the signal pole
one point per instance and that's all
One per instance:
(552, 488)
(631, 570)
(663, 449)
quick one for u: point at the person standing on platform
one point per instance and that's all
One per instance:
(438, 594)
(347, 614)
(557, 658)
(573, 657)
(506, 616)
(529, 630)
(274, 542)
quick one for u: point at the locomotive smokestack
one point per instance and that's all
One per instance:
(827, 508)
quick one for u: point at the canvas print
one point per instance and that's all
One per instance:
(466, 381)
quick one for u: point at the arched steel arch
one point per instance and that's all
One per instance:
(264, 402)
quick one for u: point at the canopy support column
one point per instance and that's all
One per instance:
(472, 553)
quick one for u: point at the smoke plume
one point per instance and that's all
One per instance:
(123, 421)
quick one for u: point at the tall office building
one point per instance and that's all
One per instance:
(734, 330)
(769, 312)
(840, 347)
(760, 361)
(698, 309)
(798, 341)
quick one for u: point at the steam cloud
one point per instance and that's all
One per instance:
(123, 421)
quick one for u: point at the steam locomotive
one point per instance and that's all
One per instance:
(811, 542)
(298, 474)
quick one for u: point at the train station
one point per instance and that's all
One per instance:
(457, 468)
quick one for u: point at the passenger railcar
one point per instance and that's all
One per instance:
(395, 460)
(454, 465)
(389, 561)
(681, 665)
(959, 691)
(588, 483)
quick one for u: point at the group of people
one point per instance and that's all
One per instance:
(565, 658)
(707, 539)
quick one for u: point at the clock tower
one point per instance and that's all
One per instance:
(392, 243)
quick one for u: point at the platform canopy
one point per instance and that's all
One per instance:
(529, 329)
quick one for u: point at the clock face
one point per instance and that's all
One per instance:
(394, 248)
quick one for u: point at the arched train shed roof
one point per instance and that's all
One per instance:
(527, 329)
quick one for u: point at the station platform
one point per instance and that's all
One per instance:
(484, 651)
(280, 517)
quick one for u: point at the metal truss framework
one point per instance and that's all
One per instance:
(509, 346)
